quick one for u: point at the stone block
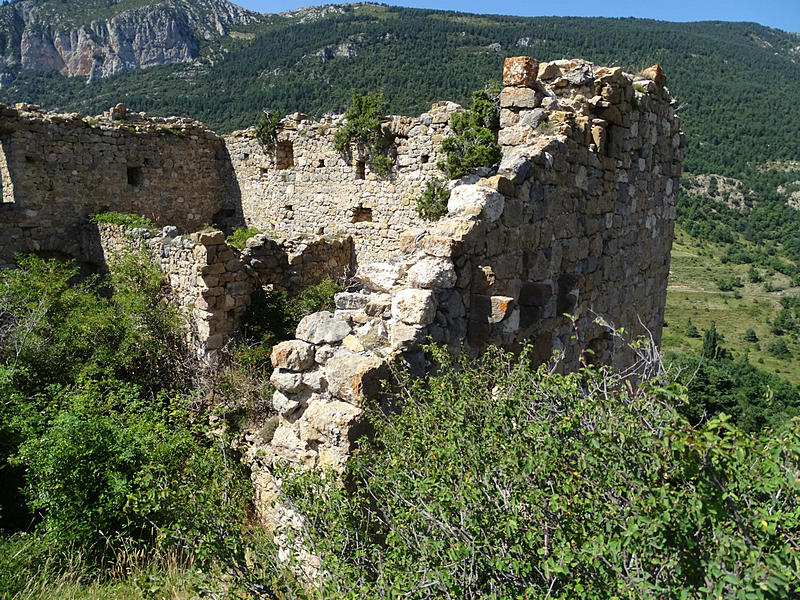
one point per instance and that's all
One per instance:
(287, 382)
(519, 98)
(211, 238)
(490, 309)
(353, 377)
(322, 328)
(414, 307)
(520, 71)
(515, 167)
(293, 355)
(350, 300)
(473, 201)
(380, 276)
(432, 273)
(655, 74)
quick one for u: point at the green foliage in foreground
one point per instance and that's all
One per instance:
(473, 144)
(123, 219)
(102, 445)
(500, 481)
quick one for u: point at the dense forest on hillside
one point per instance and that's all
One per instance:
(736, 82)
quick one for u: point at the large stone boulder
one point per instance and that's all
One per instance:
(354, 377)
(322, 328)
(294, 355)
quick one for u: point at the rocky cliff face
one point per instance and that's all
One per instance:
(135, 35)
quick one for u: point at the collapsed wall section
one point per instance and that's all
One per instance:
(212, 281)
(57, 169)
(305, 186)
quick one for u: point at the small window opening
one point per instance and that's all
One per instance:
(135, 176)
(264, 171)
(361, 169)
(321, 162)
(146, 162)
(424, 158)
(362, 215)
(284, 155)
(30, 159)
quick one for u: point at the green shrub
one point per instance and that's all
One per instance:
(238, 238)
(363, 121)
(784, 322)
(691, 330)
(750, 336)
(779, 349)
(499, 481)
(96, 417)
(119, 466)
(124, 220)
(473, 144)
(727, 282)
(267, 129)
(381, 165)
(363, 127)
(63, 332)
(432, 202)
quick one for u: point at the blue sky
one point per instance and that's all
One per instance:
(783, 14)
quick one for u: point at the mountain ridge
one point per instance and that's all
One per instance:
(123, 36)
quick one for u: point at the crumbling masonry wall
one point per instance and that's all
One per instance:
(576, 223)
(213, 281)
(306, 186)
(577, 220)
(57, 169)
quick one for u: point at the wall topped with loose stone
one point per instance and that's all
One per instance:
(56, 169)
(306, 186)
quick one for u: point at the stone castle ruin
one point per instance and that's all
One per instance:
(576, 220)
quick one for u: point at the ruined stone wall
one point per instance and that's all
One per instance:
(58, 169)
(205, 275)
(211, 280)
(576, 223)
(306, 186)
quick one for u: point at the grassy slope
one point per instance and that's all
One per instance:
(694, 267)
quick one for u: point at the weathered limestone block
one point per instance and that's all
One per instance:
(287, 382)
(432, 273)
(331, 424)
(414, 307)
(519, 98)
(353, 377)
(293, 355)
(285, 405)
(473, 201)
(520, 71)
(322, 328)
(380, 276)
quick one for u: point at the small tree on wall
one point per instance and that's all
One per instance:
(363, 127)
(473, 144)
